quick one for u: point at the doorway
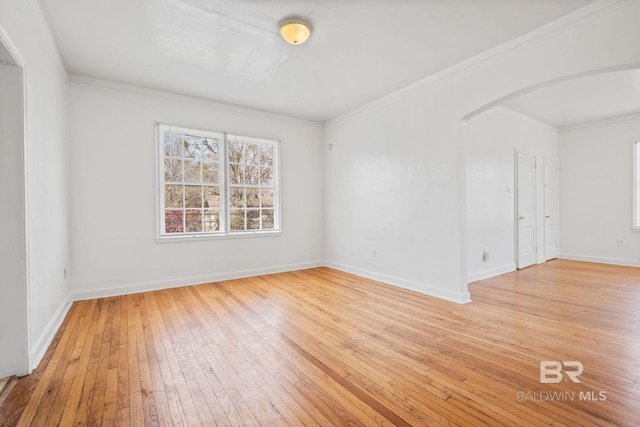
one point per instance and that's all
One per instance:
(550, 209)
(525, 210)
(13, 253)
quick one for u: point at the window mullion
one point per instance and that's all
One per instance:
(184, 187)
(224, 186)
(161, 196)
(636, 186)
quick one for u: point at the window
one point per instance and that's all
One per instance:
(636, 185)
(216, 184)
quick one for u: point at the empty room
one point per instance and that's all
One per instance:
(302, 212)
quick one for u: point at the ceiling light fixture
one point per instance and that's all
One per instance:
(294, 29)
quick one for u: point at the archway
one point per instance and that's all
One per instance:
(490, 251)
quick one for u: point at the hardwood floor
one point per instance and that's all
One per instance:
(321, 347)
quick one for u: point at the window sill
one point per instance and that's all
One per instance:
(221, 236)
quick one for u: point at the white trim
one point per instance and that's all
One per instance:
(516, 212)
(83, 81)
(48, 334)
(224, 211)
(602, 122)
(188, 281)
(545, 160)
(5, 40)
(27, 233)
(601, 260)
(568, 22)
(460, 298)
(217, 236)
(8, 44)
(635, 198)
(492, 272)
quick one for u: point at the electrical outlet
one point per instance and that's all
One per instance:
(621, 243)
(65, 272)
(373, 252)
(485, 256)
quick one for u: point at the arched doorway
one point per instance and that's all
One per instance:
(505, 128)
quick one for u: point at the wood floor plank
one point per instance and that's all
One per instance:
(41, 391)
(320, 347)
(207, 353)
(348, 362)
(181, 377)
(314, 376)
(94, 369)
(262, 331)
(52, 412)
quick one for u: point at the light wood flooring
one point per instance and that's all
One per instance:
(321, 347)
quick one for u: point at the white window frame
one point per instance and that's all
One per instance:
(635, 226)
(224, 183)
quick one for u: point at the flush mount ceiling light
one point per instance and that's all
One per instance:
(294, 29)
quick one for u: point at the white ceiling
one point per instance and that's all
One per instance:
(230, 51)
(582, 100)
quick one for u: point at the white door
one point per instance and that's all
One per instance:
(525, 210)
(550, 209)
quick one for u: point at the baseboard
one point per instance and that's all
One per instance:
(461, 298)
(485, 274)
(37, 351)
(601, 260)
(186, 281)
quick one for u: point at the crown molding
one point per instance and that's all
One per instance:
(79, 80)
(602, 122)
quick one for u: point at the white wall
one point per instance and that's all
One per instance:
(395, 180)
(489, 141)
(596, 192)
(46, 170)
(113, 170)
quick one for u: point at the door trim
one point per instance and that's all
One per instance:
(556, 253)
(516, 210)
(9, 46)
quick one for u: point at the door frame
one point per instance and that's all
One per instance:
(545, 160)
(516, 213)
(22, 252)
